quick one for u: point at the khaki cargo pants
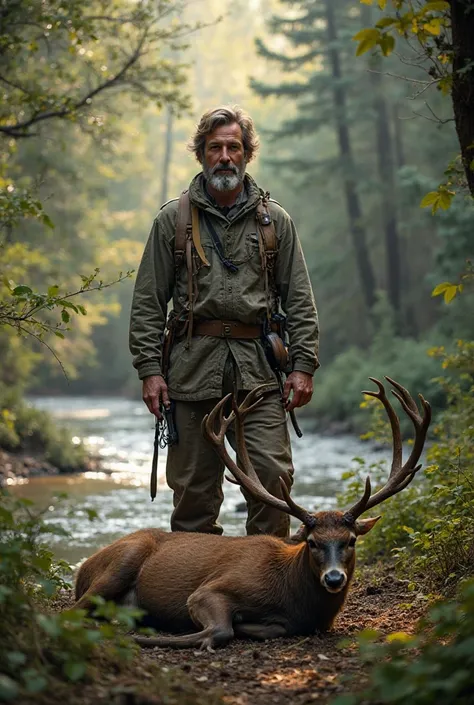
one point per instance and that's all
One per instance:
(195, 472)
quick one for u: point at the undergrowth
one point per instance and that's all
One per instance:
(49, 656)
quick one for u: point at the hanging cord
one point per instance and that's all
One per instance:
(218, 245)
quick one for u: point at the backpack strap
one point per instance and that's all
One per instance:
(268, 246)
(183, 225)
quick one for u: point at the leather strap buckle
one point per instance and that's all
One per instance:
(226, 330)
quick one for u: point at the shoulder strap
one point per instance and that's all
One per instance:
(187, 227)
(268, 246)
(183, 226)
(267, 226)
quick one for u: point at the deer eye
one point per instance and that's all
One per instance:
(311, 543)
(352, 542)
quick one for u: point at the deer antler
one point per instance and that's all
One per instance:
(400, 475)
(247, 478)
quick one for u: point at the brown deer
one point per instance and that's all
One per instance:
(253, 586)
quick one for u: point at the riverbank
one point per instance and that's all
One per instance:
(20, 466)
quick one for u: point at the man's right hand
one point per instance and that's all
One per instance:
(155, 392)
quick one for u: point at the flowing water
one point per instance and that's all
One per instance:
(120, 431)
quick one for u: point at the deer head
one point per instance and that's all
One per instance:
(330, 536)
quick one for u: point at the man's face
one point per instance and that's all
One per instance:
(224, 161)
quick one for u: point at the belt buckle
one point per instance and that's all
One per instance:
(226, 330)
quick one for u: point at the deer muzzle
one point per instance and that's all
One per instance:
(334, 580)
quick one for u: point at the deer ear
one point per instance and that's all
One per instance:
(363, 526)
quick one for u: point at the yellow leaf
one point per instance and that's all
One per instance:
(430, 198)
(441, 288)
(433, 26)
(399, 636)
(367, 2)
(364, 46)
(382, 4)
(445, 198)
(450, 293)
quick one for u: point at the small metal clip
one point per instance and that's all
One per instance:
(265, 218)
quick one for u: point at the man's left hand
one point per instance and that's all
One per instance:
(301, 384)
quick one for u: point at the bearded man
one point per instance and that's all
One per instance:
(226, 292)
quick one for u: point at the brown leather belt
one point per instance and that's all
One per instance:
(228, 329)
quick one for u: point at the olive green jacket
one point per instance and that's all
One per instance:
(196, 370)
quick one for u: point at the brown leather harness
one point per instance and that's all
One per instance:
(188, 249)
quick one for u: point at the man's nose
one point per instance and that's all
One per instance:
(225, 158)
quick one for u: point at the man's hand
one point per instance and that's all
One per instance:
(301, 384)
(155, 391)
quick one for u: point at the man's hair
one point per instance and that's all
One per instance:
(225, 116)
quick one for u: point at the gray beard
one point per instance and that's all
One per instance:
(224, 182)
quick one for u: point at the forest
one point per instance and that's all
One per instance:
(365, 113)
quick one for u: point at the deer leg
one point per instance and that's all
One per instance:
(208, 609)
(111, 581)
(260, 631)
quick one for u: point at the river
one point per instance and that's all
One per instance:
(121, 431)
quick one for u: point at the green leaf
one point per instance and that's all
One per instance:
(21, 290)
(46, 220)
(16, 658)
(53, 291)
(440, 288)
(436, 6)
(387, 44)
(49, 624)
(34, 681)
(65, 316)
(385, 22)
(8, 688)
(74, 670)
(59, 334)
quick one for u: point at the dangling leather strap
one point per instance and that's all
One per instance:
(268, 246)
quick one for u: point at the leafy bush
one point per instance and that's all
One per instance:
(23, 428)
(433, 666)
(339, 386)
(41, 649)
(430, 525)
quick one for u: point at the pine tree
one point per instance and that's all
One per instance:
(319, 53)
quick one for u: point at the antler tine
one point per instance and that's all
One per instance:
(209, 421)
(246, 477)
(360, 506)
(400, 476)
(394, 423)
(298, 512)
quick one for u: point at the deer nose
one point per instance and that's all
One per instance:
(334, 579)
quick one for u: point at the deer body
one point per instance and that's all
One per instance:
(257, 580)
(254, 586)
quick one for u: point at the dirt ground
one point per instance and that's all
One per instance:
(292, 671)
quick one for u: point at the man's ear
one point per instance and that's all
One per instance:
(363, 526)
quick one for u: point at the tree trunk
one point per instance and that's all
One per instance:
(462, 19)
(386, 170)
(167, 156)
(409, 318)
(354, 210)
